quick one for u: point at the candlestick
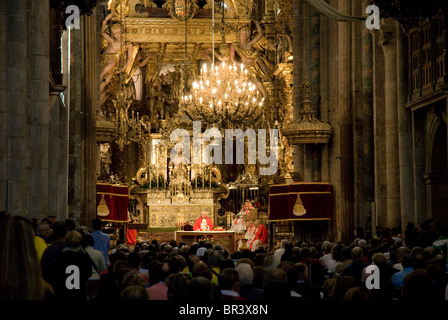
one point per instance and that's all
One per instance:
(149, 170)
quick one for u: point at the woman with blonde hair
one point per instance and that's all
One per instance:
(20, 272)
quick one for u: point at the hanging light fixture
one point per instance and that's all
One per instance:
(224, 94)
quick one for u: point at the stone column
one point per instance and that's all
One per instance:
(75, 126)
(344, 198)
(91, 71)
(388, 44)
(404, 135)
(17, 133)
(40, 117)
(3, 106)
(363, 121)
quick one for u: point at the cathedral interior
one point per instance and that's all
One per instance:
(96, 95)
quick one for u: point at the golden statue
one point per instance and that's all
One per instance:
(250, 53)
(120, 57)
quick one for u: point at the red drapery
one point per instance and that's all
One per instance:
(316, 199)
(116, 198)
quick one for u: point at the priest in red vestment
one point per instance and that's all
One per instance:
(203, 223)
(260, 236)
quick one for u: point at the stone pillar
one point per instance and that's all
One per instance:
(17, 201)
(388, 44)
(91, 71)
(3, 106)
(404, 136)
(379, 132)
(344, 198)
(363, 121)
(75, 126)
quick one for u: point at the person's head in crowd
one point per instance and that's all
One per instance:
(269, 263)
(120, 267)
(275, 275)
(228, 279)
(200, 269)
(357, 254)
(226, 263)
(326, 247)
(259, 258)
(97, 224)
(134, 260)
(246, 260)
(346, 253)
(87, 241)
(83, 230)
(71, 224)
(245, 274)
(199, 289)
(59, 230)
(215, 259)
(73, 239)
(176, 263)
(177, 284)
(116, 256)
(302, 272)
(259, 273)
(43, 230)
(20, 277)
(134, 292)
(133, 278)
(191, 260)
(379, 259)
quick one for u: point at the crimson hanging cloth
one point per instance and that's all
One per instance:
(300, 201)
(116, 198)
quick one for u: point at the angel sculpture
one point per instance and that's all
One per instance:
(119, 57)
(250, 53)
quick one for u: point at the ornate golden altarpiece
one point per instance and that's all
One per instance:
(165, 53)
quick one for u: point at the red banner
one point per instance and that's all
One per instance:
(112, 202)
(300, 201)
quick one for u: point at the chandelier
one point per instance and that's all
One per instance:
(224, 95)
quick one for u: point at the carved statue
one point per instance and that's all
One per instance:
(284, 46)
(119, 57)
(176, 82)
(250, 53)
(223, 55)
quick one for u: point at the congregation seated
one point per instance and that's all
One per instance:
(170, 271)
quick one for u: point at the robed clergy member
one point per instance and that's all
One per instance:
(203, 223)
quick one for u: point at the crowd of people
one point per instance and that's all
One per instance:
(40, 259)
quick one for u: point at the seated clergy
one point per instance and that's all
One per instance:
(239, 225)
(203, 223)
(260, 235)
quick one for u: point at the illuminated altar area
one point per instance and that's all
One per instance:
(163, 65)
(178, 193)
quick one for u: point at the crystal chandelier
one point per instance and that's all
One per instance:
(224, 95)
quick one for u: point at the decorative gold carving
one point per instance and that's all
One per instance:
(182, 9)
(119, 7)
